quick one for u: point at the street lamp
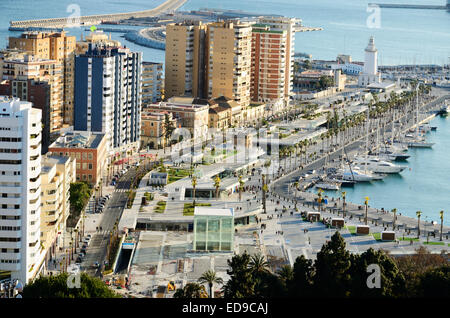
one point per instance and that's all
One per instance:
(343, 203)
(366, 202)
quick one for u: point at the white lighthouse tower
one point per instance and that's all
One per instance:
(370, 73)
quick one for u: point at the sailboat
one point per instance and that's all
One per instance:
(327, 183)
(418, 141)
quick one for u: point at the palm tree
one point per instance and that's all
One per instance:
(441, 215)
(241, 187)
(191, 290)
(394, 210)
(418, 213)
(264, 188)
(194, 184)
(258, 264)
(286, 273)
(319, 199)
(209, 277)
(217, 185)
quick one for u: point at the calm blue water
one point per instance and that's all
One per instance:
(404, 37)
(423, 186)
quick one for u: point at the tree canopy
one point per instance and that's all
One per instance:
(56, 286)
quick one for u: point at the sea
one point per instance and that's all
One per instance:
(402, 36)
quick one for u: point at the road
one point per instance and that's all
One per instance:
(96, 251)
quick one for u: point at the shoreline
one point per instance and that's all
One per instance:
(273, 185)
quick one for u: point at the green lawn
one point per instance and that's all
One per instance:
(188, 208)
(408, 239)
(177, 174)
(160, 207)
(377, 236)
(434, 243)
(351, 229)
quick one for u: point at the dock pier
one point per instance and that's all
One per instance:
(168, 6)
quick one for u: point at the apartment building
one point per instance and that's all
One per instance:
(190, 113)
(53, 46)
(108, 95)
(57, 173)
(185, 59)
(224, 113)
(153, 130)
(21, 253)
(39, 81)
(96, 37)
(274, 48)
(228, 64)
(89, 150)
(268, 63)
(151, 82)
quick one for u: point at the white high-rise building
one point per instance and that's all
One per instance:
(21, 253)
(370, 72)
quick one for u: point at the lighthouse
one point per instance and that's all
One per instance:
(370, 72)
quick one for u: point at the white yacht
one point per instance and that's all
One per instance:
(375, 164)
(418, 142)
(328, 185)
(356, 174)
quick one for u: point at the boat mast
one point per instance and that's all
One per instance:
(367, 139)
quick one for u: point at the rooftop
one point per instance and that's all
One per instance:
(207, 211)
(78, 140)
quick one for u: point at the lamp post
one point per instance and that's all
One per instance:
(343, 203)
(366, 202)
(441, 216)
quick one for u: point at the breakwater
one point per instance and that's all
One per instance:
(410, 6)
(168, 6)
(139, 38)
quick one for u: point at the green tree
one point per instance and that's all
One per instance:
(302, 278)
(210, 278)
(168, 128)
(332, 268)
(56, 287)
(241, 283)
(80, 192)
(435, 283)
(392, 282)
